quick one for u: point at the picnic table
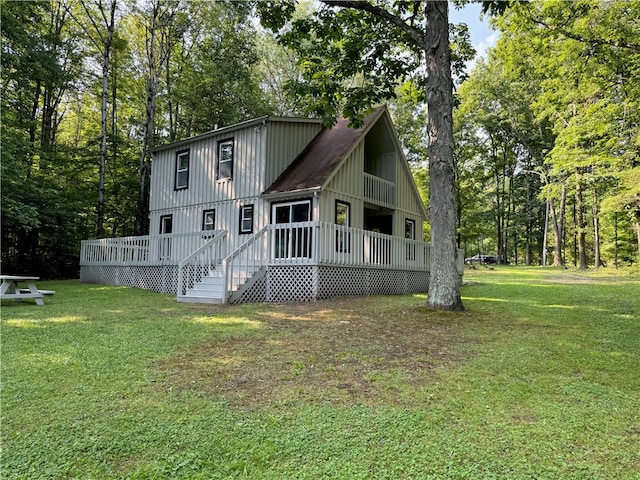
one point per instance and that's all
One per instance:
(10, 289)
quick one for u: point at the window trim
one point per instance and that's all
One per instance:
(204, 217)
(346, 204)
(411, 246)
(222, 142)
(343, 239)
(177, 170)
(290, 203)
(243, 209)
(412, 222)
(163, 218)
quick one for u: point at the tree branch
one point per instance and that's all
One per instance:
(593, 41)
(414, 34)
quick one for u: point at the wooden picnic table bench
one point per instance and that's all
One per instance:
(10, 289)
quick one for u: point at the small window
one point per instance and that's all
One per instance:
(182, 170)
(410, 234)
(342, 214)
(246, 219)
(343, 237)
(410, 229)
(208, 220)
(225, 159)
(166, 224)
(166, 227)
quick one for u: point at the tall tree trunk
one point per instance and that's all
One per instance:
(156, 51)
(101, 36)
(444, 290)
(508, 175)
(638, 233)
(106, 53)
(142, 211)
(527, 245)
(580, 225)
(557, 236)
(596, 233)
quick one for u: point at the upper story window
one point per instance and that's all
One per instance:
(182, 170)
(225, 158)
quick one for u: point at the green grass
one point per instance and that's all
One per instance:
(538, 378)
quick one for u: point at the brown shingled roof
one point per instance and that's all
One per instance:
(311, 169)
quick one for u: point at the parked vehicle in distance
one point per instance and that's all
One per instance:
(482, 259)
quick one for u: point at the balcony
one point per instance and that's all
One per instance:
(379, 191)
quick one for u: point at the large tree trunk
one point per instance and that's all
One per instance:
(444, 289)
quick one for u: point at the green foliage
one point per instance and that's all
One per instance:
(353, 59)
(51, 134)
(556, 94)
(537, 379)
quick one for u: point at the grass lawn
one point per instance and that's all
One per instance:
(538, 378)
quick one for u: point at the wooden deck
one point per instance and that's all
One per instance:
(182, 263)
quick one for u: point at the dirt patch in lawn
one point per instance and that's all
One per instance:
(355, 350)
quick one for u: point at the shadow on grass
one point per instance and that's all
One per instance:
(337, 351)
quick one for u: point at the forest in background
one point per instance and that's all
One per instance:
(546, 128)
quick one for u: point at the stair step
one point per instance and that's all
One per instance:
(200, 290)
(192, 299)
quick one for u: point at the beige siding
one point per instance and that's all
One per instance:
(347, 185)
(408, 201)
(281, 140)
(189, 219)
(286, 140)
(204, 188)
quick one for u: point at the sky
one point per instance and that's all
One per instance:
(482, 36)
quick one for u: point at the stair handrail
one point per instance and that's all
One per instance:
(228, 260)
(217, 237)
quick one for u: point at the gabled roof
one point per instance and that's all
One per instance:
(320, 160)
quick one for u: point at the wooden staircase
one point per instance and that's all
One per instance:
(210, 289)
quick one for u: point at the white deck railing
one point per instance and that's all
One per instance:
(166, 249)
(201, 262)
(305, 243)
(379, 190)
(241, 264)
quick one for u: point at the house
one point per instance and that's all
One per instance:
(275, 209)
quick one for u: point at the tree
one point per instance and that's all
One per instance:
(585, 56)
(101, 18)
(353, 57)
(40, 65)
(157, 21)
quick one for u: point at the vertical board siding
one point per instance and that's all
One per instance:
(248, 171)
(262, 151)
(347, 186)
(285, 141)
(407, 198)
(282, 141)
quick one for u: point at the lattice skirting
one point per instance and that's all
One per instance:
(157, 278)
(336, 281)
(299, 283)
(303, 283)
